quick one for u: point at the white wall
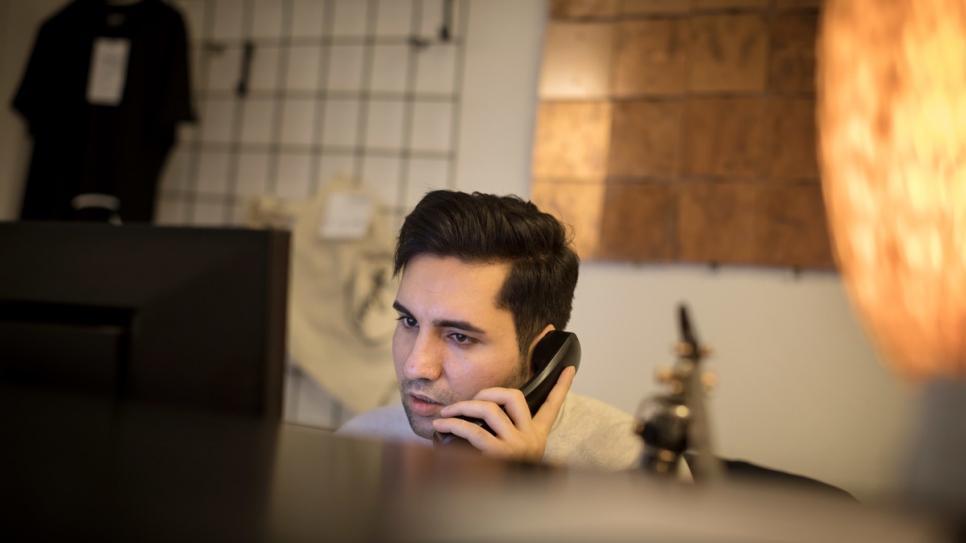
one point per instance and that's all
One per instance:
(800, 385)
(503, 52)
(801, 388)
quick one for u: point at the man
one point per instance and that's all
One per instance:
(484, 278)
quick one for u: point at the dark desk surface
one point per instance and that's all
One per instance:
(81, 469)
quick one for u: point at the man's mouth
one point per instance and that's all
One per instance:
(424, 405)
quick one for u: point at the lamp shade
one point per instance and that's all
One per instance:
(892, 149)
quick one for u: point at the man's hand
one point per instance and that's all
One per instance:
(518, 435)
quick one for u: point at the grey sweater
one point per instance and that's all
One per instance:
(588, 433)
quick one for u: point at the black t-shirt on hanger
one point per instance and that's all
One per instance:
(110, 149)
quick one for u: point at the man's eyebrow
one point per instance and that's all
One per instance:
(401, 308)
(443, 323)
(459, 325)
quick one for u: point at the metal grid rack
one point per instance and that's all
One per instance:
(293, 92)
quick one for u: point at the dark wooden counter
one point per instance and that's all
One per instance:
(76, 468)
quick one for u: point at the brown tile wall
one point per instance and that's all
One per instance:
(637, 222)
(572, 139)
(645, 139)
(651, 57)
(716, 222)
(683, 131)
(728, 53)
(725, 136)
(577, 203)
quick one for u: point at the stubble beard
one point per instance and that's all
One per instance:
(423, 426)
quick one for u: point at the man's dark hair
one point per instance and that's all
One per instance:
(484, 228)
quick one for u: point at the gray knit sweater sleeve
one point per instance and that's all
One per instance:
(592, 434)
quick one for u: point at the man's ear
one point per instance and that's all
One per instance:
(533, 344)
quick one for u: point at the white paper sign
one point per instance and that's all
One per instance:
(347, 216)
(105, 83)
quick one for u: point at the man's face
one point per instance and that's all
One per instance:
(451, 340)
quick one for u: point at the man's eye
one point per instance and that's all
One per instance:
(407, 321)
(461, 338)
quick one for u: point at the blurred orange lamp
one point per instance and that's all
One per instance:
(892, 147)
(892, 119)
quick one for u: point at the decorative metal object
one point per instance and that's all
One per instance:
(675, 424)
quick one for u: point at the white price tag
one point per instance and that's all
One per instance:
(105, 83)
(347, 216)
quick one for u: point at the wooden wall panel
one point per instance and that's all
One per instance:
(651, 57)
(577, 63)
(792, 4)
(792, 57)
(683, 131)
(726, 4)
(651, 7)
(580, 9)
(637, 223)
(728, 53)
(645, 139)
(726, 136)
(792, 230)
(792, 136)
(578, 204)
(716, 222)
(572, 140)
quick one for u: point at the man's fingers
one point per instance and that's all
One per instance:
(513, 403)
(485, 410)
(547, 414)
(477, 436)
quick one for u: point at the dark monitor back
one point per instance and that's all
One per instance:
(188, 316)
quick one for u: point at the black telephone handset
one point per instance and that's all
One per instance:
(555, 352)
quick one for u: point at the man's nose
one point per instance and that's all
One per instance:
(425, 360)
